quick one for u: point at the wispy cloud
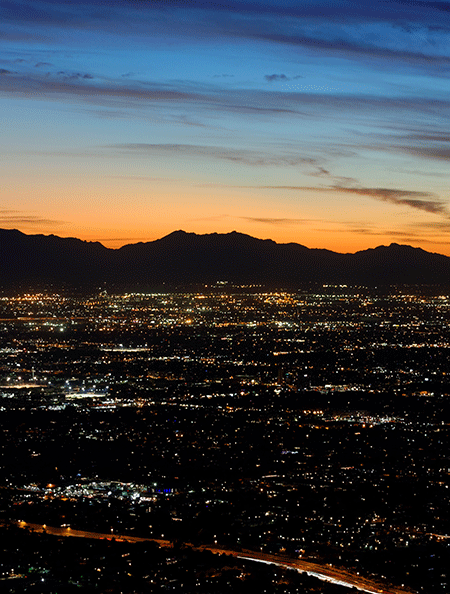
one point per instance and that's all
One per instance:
(120, 239)
(281, 77)
(395, 31)
(354, 49)
(79, 86)
(337, 180)
(410, 236)
(425, 201)
(239, 156)
(73, 86)
(276, 221)
(25, 84)
(276, 77)
(403, 12)
(428, 141)
(437, 226)
(75, 75)
(435, 152)
(13, 217)
(70, 86)
(143, 178)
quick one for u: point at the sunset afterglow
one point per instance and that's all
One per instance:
(320, 123)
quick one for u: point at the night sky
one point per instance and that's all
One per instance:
(325, 123)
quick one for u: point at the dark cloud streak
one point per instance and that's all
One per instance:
(267, 22)
(277, 221)
(28, 86)
(27, 220)
(68, 86)
(239, 156)
(276, 77)
(424, 201)
(352, 49)
(399, 11)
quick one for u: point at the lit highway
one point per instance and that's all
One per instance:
(322, 571)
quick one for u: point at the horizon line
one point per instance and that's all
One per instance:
(138, 241)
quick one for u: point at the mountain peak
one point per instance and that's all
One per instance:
(182, 258)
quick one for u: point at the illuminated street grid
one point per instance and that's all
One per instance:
(312, 424)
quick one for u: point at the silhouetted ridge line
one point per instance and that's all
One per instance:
(181, 259)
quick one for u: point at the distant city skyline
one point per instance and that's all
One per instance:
(320, 123)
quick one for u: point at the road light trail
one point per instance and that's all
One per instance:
(322, 572)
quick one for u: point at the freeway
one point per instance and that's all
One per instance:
(322, 571)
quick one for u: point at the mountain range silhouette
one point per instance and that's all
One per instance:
(185, 259)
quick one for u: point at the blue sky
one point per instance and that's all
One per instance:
(324, 123)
